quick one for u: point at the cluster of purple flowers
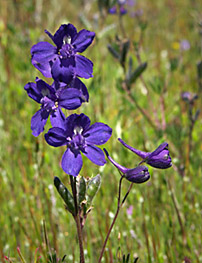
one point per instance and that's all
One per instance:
(65, 66)
(123, 7)
(159, 158)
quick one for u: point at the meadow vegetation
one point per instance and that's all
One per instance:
(161, 220)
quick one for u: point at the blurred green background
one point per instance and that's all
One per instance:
(165, 224)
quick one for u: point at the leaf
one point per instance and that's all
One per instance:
(126, 259)
(113, 51)
(199, 69)
(82, 190)
(65, 194)
(124, 52)
(130, 66)
(92, 188)
(136, 74)
(20, 255)
(196, 115)
(136, 259)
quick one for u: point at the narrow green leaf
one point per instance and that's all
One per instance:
(127, 258)
(133, 77)
(113, 51)
(65, 194)
(196, 115)
(20, 255)
(124, 52)
(199, 69)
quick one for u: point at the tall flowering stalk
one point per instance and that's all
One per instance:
(63, 63)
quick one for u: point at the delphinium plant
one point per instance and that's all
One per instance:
(62, 62)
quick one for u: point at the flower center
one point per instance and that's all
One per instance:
(67, 49)
(78, 141)
(47, 104)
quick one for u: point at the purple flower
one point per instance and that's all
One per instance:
(159, 158)
(184, 45)
(52, 99)
(137, 13)
(189, 97)
(62, 61)
(80, 137)
(112, 10)
(137, 175)
(118, 9)
(130, 210)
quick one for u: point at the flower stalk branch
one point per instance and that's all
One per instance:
(119, 205)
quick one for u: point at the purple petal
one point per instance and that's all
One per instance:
(77, 84)
(112, 10)
(70, 99)
(95, 154)
(49, 34)
(83, 39)
(142, 154)
(62, 70)
(117, 165)
(71, 162)
(56, 137)
(75, 120)
(83, 121)
(83, 67)
(98, 133)
(162, 160)
(57, 119)
(138, 175)
(42, 53)
(38, 122)
(64, 30)
(33, 91)
(123, 11)
(159, 149)
(45, 88)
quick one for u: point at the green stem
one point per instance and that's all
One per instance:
(77, 219)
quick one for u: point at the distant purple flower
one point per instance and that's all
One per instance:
(119, 8)
(62, 61)
(184, 45)
(80, 137)
(188, 96)
(159, 158)
(112, 10)
(137, 13)
(52, 99)
(130, 210)
(137, 175)
(130, 2)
